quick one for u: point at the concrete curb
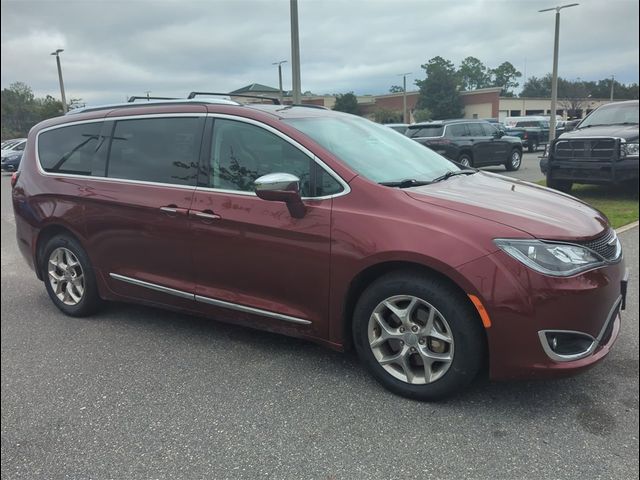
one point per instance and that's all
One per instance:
(627, 227)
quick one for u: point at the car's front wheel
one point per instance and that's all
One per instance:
(465, 160)
(418, 336)
(68, 276)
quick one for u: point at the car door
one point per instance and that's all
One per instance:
(481, 144)
(499, 146)
(254, 262)
(137, 215)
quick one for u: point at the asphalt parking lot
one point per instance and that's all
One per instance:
(136, 392)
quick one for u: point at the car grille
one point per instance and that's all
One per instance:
(601, 149)
(605, 245)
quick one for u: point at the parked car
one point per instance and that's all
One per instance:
(16, 145)
(472, 143)
(10, 161)
(533, 131)
(324, 226)
(602, 149)
(398, 127)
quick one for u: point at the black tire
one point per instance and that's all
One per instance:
(560, 185)
(533, 146)
(461, 318)
(514, 161)
(90, 300)
(466, 160)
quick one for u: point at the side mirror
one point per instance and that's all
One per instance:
(281, 187)
(498, 134)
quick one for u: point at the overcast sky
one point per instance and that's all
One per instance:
(118, 48)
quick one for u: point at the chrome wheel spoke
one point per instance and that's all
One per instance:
(411, 339)
(66, 276)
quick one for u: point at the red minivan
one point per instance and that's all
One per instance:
(324, 226)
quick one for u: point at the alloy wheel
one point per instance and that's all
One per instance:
(411, 339)
(66, 276)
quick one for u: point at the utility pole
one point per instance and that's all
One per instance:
(295, 53)
(612, 78)
(279, 64)
(554, 78)
(405, 116)
(64, 98)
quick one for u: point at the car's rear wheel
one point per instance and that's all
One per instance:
(69, 277)
(560, 185)
(514, 161)
(465, 160)
(418, 336)
(533, 146)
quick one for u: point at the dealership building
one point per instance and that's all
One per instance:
(481, 103)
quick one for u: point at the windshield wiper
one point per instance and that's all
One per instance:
(406, 183)
(453, 173)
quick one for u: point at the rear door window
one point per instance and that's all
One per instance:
(457, 130)
(72, 150)
(159, 150)
(475, 130)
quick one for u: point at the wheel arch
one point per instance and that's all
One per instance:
(371, 273)
(46, 234)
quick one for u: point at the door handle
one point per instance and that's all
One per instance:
(205, 215)
(172, 210)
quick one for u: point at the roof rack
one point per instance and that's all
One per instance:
(178, 101)
(308, 105)
(193, 95)
(134, 98)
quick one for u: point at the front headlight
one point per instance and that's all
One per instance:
(629, 149)
(556, 259)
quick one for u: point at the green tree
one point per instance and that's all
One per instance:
(21, 109)
(537, 87)
(347, 103)
(439, 90)
(384, 115)
(473, 74)
(505, 75)
(422, 115)
(396, 89)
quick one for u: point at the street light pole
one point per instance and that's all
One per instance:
(405, 117)
(295, 53)
(279, 64)
(64, 98)
(612, 78)
(554, 78)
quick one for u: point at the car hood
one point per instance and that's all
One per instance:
(628, 132)
(538, 211)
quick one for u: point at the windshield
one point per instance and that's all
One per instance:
(374, 151)
(612, 114)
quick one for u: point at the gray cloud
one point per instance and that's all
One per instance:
(119, 48)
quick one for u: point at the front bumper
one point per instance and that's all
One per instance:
(522, 303)
(607, 172)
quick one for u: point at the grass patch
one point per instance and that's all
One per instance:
(619, 204)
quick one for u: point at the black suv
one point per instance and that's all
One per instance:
(473, 143)
(602, 149)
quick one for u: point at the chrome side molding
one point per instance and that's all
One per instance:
(210, 301)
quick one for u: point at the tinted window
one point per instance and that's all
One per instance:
(457, 130)
(20, 147)
(425, 131)
(475, 130)
(240, 153)
(163, 150)
(72, 150)
(489, 129)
